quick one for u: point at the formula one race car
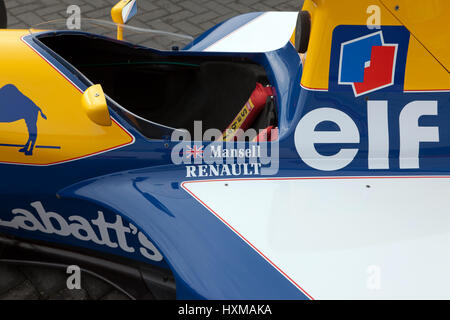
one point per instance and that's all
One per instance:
(280, 155)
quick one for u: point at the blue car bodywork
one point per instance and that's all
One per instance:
(135, 202)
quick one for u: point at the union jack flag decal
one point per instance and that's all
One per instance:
(195, 152)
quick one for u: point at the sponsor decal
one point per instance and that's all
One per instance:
(366, 61)
(375, 125)
(113, 234)
(16, 107)
(238, 122)
(34, 129)
(223, 170)
(380, 142)
(238, 161)
(223, 159)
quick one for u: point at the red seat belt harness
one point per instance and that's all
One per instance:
(248, 113)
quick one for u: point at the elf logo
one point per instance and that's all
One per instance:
(367, 63)
(364, 61)
(379, 138)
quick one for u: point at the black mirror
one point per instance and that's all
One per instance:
(3, 16)
(302, 31)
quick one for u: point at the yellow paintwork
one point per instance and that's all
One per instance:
(94, 103)
(423, 72)
(67, 125)
(119, 33)
(428, 21)
(293, 37)
(117, 17)
(116, 11)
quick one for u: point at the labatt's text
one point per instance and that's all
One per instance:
(97, 230)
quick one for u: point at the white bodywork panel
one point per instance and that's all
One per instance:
(351, 238)
(268, 32)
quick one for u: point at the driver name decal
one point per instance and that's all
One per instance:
(225, 169)
(216, 158)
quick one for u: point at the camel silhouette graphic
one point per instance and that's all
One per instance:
(15, 106)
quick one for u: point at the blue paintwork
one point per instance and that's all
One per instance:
(141, 184)
(155, 216)
(211, 260)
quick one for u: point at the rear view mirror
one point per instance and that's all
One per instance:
(121, 13)
(3, 15)
(302, 31)
(94, 103)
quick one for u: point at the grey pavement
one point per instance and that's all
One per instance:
(38, 283)
(191, 17)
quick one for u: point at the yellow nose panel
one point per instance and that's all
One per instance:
(42, 120)
(429, 22)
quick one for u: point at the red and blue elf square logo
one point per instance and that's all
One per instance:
(365, 61)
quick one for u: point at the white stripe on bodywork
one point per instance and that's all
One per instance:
(268, 32)
(344, 238)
